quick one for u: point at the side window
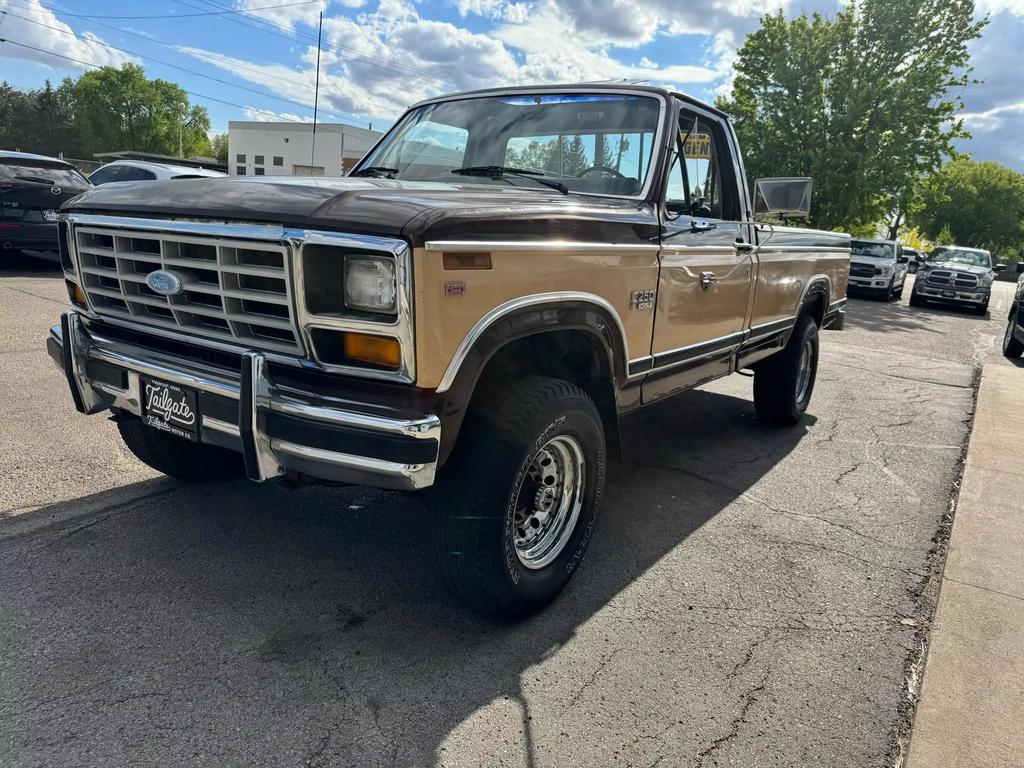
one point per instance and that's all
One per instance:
(106, 175)
(701, 182)
(136, 174)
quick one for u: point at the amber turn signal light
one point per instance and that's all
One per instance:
(379, 350)
(75, 293)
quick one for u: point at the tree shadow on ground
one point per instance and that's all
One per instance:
(265, 626)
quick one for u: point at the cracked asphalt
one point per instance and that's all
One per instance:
(752, 597)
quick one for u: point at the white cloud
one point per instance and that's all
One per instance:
(287, 17)
(267, 116)
(86, 47)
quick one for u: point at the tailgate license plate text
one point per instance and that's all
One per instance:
(170, 408)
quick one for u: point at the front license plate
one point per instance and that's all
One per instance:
(948, 295)
(51, 215)
(170, 408)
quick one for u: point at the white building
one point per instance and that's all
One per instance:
(284, 149)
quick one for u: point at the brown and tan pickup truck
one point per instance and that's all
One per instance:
(504, 277)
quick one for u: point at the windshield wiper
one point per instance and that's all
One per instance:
(378, 171)
(498, 171)
(36, 179)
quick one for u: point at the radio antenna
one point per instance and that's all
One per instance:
(316, 93)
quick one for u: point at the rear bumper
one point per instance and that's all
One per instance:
(276, 430)
(40, 236)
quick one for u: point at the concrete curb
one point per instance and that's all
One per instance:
(971, 708)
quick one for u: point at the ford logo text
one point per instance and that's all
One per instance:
(165, 283)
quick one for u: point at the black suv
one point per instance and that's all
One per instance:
(32, 189)
(1013, 339)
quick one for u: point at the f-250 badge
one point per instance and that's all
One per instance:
(641, 299)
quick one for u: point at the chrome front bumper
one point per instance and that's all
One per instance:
(276, 430)
(977, 295)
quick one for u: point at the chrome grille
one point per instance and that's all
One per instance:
(863, 270)
(236, 291)
(948, 278)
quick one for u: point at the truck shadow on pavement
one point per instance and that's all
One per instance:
(884, 317)
(263, 626)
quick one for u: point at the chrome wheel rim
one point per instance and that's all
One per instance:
(803, 371)
(548, 502)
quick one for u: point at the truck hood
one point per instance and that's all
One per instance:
(959, 267)
(417, 211)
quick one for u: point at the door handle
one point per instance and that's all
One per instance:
(742, 247)
(707, 279)
(699, 225)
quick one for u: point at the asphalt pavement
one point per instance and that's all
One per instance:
(752, 597)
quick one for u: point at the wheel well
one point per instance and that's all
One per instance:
(572, 355)
(815, 305)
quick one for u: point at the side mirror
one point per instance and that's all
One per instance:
(1020, 267)
(902, 260)
(783, 197)
(999, 268)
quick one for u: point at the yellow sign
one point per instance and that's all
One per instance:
(698, 146)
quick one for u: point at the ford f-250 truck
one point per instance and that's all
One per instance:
(502, 279)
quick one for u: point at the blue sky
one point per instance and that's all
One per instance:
(381, 55)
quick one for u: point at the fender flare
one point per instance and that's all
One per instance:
(819, 283)
(518, 319)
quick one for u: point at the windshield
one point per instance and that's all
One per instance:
(873, 250)
(592, 143)
(41, 174)
(973, 258)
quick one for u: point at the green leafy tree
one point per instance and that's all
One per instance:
(974, 204)
(37, 121)
(219, 148)
(864, 102)
(574, 156)
(121, 109)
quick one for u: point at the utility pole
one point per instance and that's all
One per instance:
(316, 93)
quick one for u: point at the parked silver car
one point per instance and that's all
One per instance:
(140, 170)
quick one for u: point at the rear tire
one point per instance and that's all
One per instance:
(516, 503)
(177, 457)
(784, 382)
(1012, 346)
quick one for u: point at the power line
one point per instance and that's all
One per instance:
(151, 39)
(158, 61)
(189, 15)
(341, 50)
(190, 93)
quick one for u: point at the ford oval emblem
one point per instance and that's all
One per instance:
(165, 283)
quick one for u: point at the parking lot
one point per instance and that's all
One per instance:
(752, 597)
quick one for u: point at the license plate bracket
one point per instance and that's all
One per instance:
(170, 408)
(949, 294)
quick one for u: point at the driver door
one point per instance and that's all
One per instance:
(704, 285)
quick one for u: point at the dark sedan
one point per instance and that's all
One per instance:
(32, 189)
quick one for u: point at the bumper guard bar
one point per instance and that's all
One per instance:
(334, 455)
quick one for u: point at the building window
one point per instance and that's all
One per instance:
(258, 171)
(258, 159)
(239, 158)
(278, 161)
(240, 170)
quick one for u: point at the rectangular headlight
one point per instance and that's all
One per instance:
(371, 284)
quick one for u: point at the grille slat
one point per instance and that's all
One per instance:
(949, 278)
(218, 301)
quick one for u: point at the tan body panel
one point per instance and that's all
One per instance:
(690, 314)
(783, 274)
(444, 319)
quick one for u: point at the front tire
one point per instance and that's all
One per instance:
(1012, 346)
(516, 503)
(784, 382)
(916, 300)
(177, 457)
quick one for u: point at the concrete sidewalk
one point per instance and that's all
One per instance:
(971, 709)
